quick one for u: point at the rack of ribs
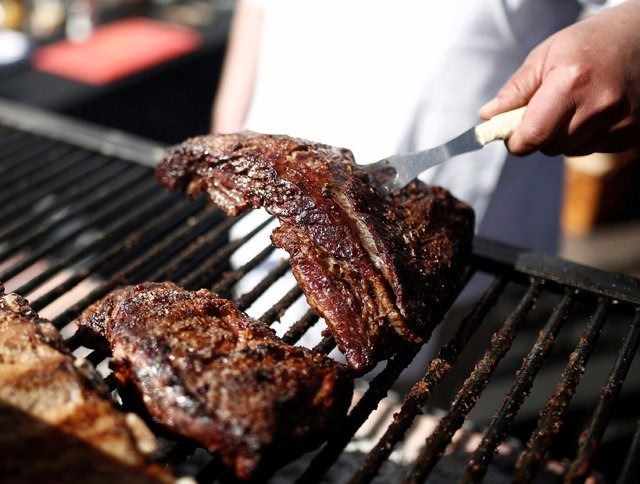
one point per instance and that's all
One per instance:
(207, 371)
(57, 421)
(379, 270)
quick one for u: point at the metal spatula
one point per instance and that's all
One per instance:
(409, 166)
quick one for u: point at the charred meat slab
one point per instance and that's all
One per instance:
(379, 270)
(207, 371)
(57, 422)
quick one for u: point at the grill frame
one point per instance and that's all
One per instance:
(197, 239)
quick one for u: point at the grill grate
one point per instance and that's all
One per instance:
(81, 215)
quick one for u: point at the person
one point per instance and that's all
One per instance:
(383, 80)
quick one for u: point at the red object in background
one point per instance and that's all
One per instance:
(117, 50)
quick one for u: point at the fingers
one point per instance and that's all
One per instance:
(519, 88)
(548, 114)
(612, 142)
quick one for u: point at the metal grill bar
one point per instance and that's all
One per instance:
(8, 162)
(19, 203)
(300, 327)
(118, 228)
(503, 418)
(39, 231)
(592, 435)
(171, 244)
(210, 271)
(38, 174)
(75, 195)
(143, 236)
(552, 416)
(210, 240)
(250, 297)
(325, 346)
(11, 138)
(25, 160)
(278, 309)
(230, 278)
(437, 369)
(631, 469)
(473, 387)
(378, 389)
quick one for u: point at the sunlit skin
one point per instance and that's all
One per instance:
(582, 88)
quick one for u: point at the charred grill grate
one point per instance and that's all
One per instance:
(79, 217)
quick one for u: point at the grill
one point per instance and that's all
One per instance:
(81, 215)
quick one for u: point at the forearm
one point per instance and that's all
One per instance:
(235, 89)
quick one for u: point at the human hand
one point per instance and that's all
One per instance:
(582, 87)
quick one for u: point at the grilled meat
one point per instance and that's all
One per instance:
(380, 271)
(58, 422)
(207, 371)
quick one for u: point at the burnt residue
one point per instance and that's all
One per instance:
(473, 387)
(447, 357)
(592, 435)
(552, 415)
(504, 416)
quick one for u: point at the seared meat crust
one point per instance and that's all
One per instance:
(207, 371)
(57, 422)
(380, 271)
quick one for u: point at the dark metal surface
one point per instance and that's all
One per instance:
(79, 219)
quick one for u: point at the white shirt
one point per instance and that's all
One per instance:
(383, 77)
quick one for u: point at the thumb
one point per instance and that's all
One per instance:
(517, 91)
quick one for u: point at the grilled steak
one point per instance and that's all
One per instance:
(380, 271)
(207, 371)
(57, 421)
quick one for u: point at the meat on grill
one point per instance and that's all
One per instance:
(380, 271)
(57, 422)
(207, 371)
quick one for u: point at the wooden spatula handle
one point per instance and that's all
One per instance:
(501, 126)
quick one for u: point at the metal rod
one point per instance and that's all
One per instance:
(210, 269)
(120, 227)
(7, 149)
(170, 245)
(145, 235)
(144, 272)
(17, 204)
(223, 285)
(552, 415)
(438, 367)
(23, 160)
(144, 189)
(250, 297)
(300, 327)
(9, 137)
(378, 389)
(212, 239)
(23, 178)
(325, 346)
(631, 468)
(75, 195)
(278, 309)
(592, 435)
(473, 386)
(503, 418)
